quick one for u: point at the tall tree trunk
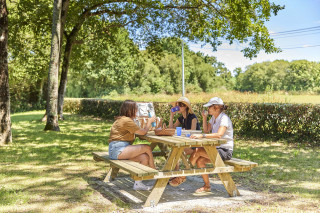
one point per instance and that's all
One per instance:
(64, 12)
(64, 76)
(53, 76)
(5, 121)
(71, 39)
(64, 73)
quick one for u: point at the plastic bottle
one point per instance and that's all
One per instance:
(153, 124)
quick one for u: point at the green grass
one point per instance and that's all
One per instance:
(228, 96)
(281, 168)
(53, 171)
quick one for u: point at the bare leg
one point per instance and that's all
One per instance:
(201, 163)
(176, 181)
(197, 153)
(188, 151)
(143, 159)
(133, 151)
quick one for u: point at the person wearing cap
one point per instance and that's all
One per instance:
(220, 126)
(188, 121)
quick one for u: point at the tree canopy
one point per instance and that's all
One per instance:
(92, 29)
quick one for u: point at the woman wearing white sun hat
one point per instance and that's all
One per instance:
(220, 126)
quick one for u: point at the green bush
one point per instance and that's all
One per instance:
(297, 123)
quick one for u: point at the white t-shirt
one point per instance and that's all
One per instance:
(223, 120)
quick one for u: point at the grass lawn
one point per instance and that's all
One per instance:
(51, 171)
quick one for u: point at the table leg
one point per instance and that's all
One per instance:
(161, 184)
(112, 173)
(185, 161)
(226, 179)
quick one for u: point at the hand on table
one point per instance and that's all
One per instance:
(194, 136)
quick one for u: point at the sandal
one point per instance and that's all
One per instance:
(203, 189)
(177, 181)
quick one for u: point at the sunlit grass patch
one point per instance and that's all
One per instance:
(281, 168)
(52, 170)
(227, 96)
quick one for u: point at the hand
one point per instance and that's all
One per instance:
(152, 119)
(194, 136)
(204, 114)
(173, 113)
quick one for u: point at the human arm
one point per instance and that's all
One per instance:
(144, 131)
(194, 124)
(219, 134)
(205, 125)
(171, 125)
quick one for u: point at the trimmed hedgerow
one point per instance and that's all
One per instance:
(298, 123)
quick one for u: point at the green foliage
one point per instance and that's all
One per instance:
(103, 24)
(297, 123)
(303, 75)
(29, 52)
(279, 75)
(100, 66)
(130, 71)
(260, 77)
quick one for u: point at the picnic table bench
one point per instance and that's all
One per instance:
(138, 171)
(177, 144)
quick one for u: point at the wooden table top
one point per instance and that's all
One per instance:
(180, 141)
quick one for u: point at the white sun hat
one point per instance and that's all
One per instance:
(213, 101)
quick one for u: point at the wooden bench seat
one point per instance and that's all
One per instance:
(136, 170)
(240, 165)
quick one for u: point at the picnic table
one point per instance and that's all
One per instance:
(175, 145)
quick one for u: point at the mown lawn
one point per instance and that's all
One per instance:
(52, 171)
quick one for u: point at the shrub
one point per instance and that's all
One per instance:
(294, 122)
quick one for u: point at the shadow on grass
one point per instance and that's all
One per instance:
(50, 167)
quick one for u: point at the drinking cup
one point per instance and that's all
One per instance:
(174, 109)
(179, 129)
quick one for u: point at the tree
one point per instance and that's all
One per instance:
(148, 21)
(302, 75)
(204, 21)
(5, 121)
(52, 99)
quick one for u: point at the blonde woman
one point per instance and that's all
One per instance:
(122, 135)
(220, 126)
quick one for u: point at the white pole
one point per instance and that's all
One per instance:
(182, 69)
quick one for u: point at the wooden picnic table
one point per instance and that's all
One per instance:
(175, 145)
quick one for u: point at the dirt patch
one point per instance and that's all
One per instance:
(178, 199)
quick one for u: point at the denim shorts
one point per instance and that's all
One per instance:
(116, 147)
(225, 154)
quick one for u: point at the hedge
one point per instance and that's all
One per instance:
(297, 123)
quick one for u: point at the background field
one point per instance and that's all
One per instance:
(227, 96)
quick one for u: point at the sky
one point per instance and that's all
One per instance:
(300, 15)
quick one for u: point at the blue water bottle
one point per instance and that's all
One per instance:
(153, 124)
